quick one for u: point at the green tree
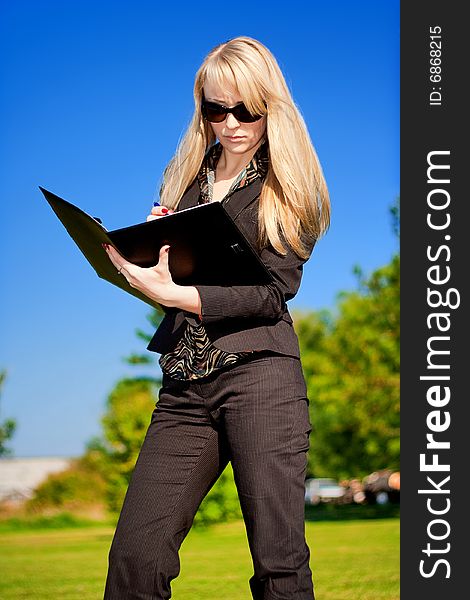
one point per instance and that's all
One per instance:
(78, 488)
(113, 455)
(124, 424)
(221, 504)
(127, 416)
(351, 363)
(8, 427)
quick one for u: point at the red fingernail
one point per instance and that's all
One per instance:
(164, 210)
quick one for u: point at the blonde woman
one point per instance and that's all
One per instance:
(232, 388)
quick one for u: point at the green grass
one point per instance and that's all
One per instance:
(351, 560)
(62, 520)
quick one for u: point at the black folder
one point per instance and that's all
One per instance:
(206, 246)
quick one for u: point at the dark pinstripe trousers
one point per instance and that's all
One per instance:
(253, 413)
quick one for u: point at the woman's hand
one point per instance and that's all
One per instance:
(156, 282)
(158, 212)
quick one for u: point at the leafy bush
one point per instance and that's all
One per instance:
(74, 488)
(221, 504)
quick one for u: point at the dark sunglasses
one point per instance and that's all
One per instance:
(216, 113)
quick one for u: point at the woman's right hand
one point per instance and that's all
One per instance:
(159, 211)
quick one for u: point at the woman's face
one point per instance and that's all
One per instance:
(234, 136)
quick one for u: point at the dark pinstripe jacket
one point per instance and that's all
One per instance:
(241, 318)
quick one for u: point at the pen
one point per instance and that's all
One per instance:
(164, 209)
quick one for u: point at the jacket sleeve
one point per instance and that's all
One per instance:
(262, 301)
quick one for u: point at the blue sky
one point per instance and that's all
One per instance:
(96, 96)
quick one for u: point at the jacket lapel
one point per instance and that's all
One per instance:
(237, 202)
(191, 196)
(240, 199)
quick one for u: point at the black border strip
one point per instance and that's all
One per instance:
(435, 269)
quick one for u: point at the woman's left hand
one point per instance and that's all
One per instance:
(155, 282)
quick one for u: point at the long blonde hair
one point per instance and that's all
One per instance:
(294, 199)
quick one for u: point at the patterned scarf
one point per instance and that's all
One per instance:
(258, 167)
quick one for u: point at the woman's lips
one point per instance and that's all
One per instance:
(234, 138)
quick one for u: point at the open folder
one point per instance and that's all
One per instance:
(206, 246)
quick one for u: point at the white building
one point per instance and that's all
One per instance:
(20, 476)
